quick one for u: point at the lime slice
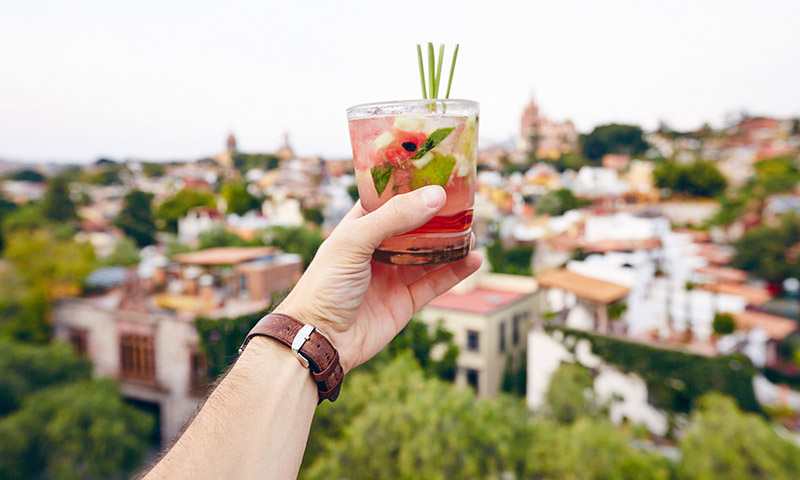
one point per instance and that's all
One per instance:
(436, 172)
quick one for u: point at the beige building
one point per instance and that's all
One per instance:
(488, 315)
(142, 331)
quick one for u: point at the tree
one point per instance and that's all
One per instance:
(593, 449)
(125, 253)
(153, 170)
(27, 368)
(57, 204)
(300, 240)
(427, 429)
(697, 179)
(27, 175)
(238, 199)
(6, 208)
(176, 207)
(613, 138)
(515, 260)
(136, 217)
(771, 253)
(245, 162)
(41, 258)
(432, 429)
(570, 394)
(723, 442)
(352, 190)
(74, 431)
(557, 202)
(724, 324)
(313, 215)
(219, 237)
(419, 339)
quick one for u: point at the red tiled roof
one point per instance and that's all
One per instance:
(479, 300)
(776, 327)
(598, 291)
(223, 255)
(612, 245)
(723, 274)
(714, 253)
(754, 295)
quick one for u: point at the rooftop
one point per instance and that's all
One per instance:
(479, 300)
(224, 255)
(598, 291)
(776, 327)
(723, 274)
(753, 295)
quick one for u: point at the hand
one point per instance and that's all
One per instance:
(361, 304)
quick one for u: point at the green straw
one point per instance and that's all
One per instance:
(439, 69)
(422, 72)
(431, 71)
(452, 69)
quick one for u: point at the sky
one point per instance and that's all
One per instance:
(169, 79)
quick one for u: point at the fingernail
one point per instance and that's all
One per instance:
(432, 196)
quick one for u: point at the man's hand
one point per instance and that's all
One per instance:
(361, 304)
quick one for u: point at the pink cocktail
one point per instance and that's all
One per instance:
(402, 146)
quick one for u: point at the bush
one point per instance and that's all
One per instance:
(724, 324)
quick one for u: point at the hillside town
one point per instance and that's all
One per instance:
(680, 247)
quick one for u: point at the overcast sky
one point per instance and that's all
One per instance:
(168, 79)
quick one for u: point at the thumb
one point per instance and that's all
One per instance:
(401, 214)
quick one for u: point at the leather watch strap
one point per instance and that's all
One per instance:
(322, 357)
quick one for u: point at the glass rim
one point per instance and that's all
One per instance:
(369, 108)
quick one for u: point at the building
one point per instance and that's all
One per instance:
(488, 315)
(550, 139)
(141, 332)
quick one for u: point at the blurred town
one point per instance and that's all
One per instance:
(646, 278)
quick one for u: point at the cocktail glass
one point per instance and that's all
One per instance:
(402, 146)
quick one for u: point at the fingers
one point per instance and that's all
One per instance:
(401, 214)
(443, 279)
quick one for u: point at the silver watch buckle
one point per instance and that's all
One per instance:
(299, 340)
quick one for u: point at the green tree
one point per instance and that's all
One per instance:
(153, 170)
(136, 217)
(352, 190)
(723, 442)
(303, 241)
(594, 449)
(245, 162)
(57, 204)
(176, 207)
(313, 215)
(421, 340)
(125, 253)
(570, 394)
(613, 138)
(6, 208)
(556, 202)
(80, 430)
(724, 324)
(219, 237)
(426, 429)
(515, 260)
(27, 368)
(697, 179)
(238, 199)
(771, 253)
(43, 259)
(27, 175)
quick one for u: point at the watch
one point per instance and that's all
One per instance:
(313, 349)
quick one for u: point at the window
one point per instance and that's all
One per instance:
(137, 357)
(515, 329)
(473, 341)
(77, 337)
(198, 380)
(502, 337)
(472, 378)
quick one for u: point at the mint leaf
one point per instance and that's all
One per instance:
(380, 177)
(434, 139)
(437, 172)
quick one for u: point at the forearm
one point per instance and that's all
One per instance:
(254, 425)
